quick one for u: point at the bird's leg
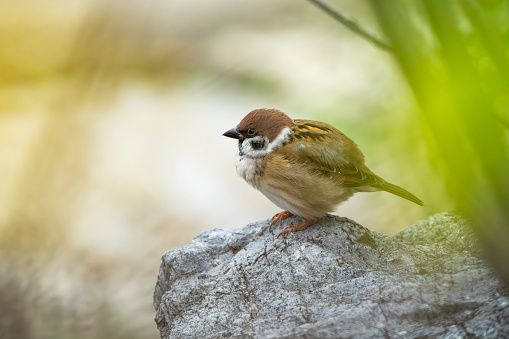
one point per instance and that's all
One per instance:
(279, 217)
(299, 227)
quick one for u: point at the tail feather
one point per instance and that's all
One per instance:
(388, 187)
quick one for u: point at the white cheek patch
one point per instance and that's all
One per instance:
(282, 138)
(251, 147)
(249, 159)
(252, 152)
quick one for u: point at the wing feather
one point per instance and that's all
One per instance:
(329, 152)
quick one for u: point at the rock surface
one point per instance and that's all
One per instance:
(335, 279)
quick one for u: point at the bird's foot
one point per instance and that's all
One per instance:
(279, 217)
(299, 227)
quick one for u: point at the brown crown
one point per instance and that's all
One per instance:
(268, 122)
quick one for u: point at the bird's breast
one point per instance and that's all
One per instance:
(249, 168)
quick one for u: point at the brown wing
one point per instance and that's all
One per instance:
(331, 153)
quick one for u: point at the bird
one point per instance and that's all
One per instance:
(304, 167)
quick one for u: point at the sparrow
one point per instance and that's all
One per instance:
(304, 167)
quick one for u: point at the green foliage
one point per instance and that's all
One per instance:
(454, 55)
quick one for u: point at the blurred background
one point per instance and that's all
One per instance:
(111, 116)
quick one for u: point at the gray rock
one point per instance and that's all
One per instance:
(335, 279)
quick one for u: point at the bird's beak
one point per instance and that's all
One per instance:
(232, 133)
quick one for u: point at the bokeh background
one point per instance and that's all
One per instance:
(111, 115)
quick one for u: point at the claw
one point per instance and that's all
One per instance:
(279, 217)
(298, 227)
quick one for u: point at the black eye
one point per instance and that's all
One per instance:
(251, 132)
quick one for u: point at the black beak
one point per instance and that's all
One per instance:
(232, 133)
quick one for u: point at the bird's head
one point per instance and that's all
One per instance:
(261, 132)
